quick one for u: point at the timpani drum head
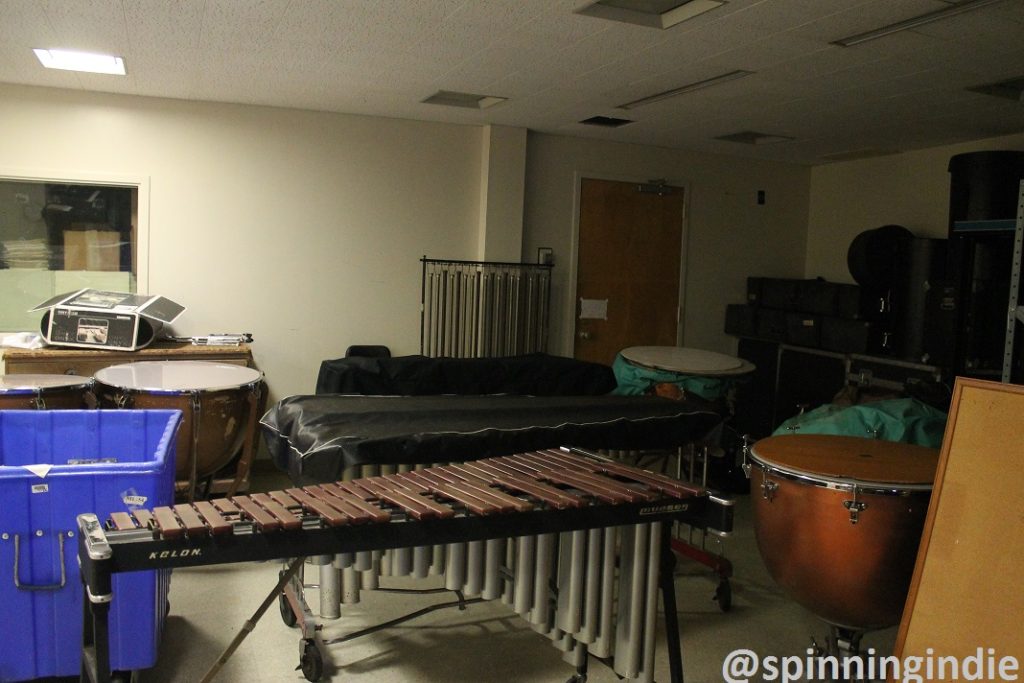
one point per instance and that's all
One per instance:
(217, 401)
(44, 392)
(830, 458)
(685, 360)
(31, 384)
(177, 376)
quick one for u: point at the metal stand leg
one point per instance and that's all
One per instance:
(94, 558)
(251, 623)
(668, 597)
(95, 642)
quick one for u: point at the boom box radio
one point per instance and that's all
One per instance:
(95, 319)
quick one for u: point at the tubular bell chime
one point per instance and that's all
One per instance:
(482, 309)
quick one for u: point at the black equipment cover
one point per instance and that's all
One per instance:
(535, 374)
(315, 438)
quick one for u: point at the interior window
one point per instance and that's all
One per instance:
(58, 237)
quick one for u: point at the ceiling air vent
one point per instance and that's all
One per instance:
(606, 121)
(750, 137)
(659, 14)
(1010, 89)
(465, 100)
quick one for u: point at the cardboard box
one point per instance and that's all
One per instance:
(97, 319)
(92, 250)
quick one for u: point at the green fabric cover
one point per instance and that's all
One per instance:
(905, 420)
(634, 380)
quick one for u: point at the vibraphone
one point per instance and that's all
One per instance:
(511, 527)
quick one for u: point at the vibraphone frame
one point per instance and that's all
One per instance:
(101, 555)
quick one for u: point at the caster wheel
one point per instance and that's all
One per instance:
(312, 662)
(723, 594)
(287, 615)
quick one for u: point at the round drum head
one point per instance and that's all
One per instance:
(17, 384)
(177, 376)
(846, 458)
(685, 360)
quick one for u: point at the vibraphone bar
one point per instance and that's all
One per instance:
(509, 497)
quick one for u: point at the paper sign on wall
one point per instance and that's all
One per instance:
(594, 309)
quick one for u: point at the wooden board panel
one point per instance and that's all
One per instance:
(965, 593)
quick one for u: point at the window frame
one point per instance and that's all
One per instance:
(140, 183)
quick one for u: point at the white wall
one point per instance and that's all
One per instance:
(730, 235)
(502, 182)
(303, 228)
(910, 189)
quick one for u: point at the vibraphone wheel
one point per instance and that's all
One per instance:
(723, 594)
(311, 662)
(287, 614)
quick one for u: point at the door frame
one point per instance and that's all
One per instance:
(569, 336)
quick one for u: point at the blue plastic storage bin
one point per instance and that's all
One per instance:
(55, 465)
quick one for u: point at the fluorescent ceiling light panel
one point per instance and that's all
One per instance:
(660, 14)
(465, 100)
(914, 22)
(751, 137)
(70, 60)
(689, 87)
(854, 154)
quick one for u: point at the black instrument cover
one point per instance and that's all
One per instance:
(315, 438)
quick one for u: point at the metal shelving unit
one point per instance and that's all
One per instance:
(1015, 315)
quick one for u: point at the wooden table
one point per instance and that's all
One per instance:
(56, 360)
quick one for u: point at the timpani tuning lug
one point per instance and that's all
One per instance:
(855, 507)
(745, 466)
(768, 489)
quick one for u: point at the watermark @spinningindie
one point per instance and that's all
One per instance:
(746, 666)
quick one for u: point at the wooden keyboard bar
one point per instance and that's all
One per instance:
(449, 481)
(190, 520)
(601, 492)
(288, 520)
(122, 521)
(332, 515)
(659, 482)
(144, 518)
(264, 520)
(375, 512)
(506, 485)
(434, 483)
(225, 506)
(632, 494)
(548, 494)
(415, 505)
(167, 523)
(355, 515)
(436, 509)
(473, 484)
(218, 525)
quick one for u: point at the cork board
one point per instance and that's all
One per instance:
(965, 592)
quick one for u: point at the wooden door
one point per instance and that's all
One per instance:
(628, 268)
